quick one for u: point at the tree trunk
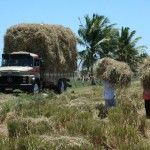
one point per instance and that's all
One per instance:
(92, 75)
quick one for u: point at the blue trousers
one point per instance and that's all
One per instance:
(110, 103)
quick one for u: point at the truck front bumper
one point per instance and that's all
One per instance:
(11, 87)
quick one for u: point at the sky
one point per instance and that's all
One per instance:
(134, 14)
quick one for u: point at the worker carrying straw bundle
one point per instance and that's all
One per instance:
(115, 72)
(112, 74)
(144, 72)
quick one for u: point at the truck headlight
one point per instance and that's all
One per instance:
(30, 80)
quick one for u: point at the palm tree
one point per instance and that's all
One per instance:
(84, 60)
(108, 47)
(92, 35)
(126, 49)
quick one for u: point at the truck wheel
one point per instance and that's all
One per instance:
(35, 89)
(61, 87)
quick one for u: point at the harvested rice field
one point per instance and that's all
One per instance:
(70, 120)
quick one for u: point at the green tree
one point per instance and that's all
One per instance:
(108, 47)
(92, 35)
(84, 57)
(126, 49)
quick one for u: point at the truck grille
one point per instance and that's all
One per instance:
(11, 79)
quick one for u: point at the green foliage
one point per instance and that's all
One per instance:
(17, 128)
(32, 106)
(101, 39)
(6, 143)
(92, 35)
(127, 51)
(98, 133)
(7, 107)
(125, 125)
(142, 126)
(22, 143)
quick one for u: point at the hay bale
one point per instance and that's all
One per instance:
(144, 73)
(54, 43)
(118, 73)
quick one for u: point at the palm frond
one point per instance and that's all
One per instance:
(101, 41)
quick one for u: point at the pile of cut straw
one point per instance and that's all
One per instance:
(116, 72)
(144, 72)
(54, 43)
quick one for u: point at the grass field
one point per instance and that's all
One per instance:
(49, 121)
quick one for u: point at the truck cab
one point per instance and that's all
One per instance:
(20, 70)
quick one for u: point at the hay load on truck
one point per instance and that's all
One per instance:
(38, 56)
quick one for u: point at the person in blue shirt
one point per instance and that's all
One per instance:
(108, 93)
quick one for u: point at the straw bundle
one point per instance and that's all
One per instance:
(118, 73)
(144, 72)
(54, 43)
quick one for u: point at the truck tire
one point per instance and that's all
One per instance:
(35, 88)
(61, 87)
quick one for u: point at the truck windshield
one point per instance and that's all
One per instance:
(17, 60)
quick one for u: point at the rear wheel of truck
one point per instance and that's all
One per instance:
(61, 87)
(35, 88)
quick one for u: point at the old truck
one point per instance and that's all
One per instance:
(37, 57)
(26, 71)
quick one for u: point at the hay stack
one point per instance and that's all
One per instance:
(118, 73)
(54, 43)
(144, 72)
